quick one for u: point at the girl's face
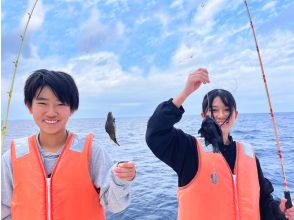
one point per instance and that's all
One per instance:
(220, 113)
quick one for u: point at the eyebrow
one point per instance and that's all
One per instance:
(216, 107)
(41, 98)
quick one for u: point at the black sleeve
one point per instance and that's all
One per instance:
(269, 207)
(171, 145)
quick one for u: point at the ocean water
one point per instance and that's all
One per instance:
(153, 194)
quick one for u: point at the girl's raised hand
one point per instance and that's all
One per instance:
(194, 81)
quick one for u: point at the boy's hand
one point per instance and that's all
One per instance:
(125, 170)
(289, 213)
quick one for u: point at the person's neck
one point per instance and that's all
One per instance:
(52, 143)
(226, 140)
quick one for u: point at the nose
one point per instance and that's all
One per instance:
(51, 112)
(221, 114)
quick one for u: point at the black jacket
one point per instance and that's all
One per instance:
(178, 150)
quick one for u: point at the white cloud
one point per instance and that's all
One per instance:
(99, 34)
(120, 28)
(176, 4)
(97, 72)
(37, 17)
(163, 18)
(235, 67)
(185, 54)
(205, 16)
(227, 49)
(142, 19)
(269, 6)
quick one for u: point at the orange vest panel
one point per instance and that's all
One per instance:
(72, 193)
(213, 194)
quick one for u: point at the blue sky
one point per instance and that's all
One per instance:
(127, 56)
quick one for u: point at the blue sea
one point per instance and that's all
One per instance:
(153, 194)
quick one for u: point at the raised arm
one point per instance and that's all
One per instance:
(171, 145)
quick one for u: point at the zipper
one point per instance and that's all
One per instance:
(48, 180)
(236, 196)
(234, 181)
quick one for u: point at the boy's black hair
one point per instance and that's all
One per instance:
(62, 85)
(226, 97)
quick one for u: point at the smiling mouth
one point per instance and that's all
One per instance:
(51, 121)
(222, 123)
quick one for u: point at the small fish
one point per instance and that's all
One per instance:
(110, 127)
(212, 134)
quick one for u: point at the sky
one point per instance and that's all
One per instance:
(128, 56)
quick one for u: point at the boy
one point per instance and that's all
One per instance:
(57, 174)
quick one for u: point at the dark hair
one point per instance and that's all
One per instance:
(62, 85)
(226, 97)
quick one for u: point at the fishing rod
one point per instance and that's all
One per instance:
(286, 191)
(22, 37)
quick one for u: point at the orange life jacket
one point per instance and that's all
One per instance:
(214, 193)
(68, 195)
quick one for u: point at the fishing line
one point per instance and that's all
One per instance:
(286, 191)
(22, 37)
(227, 81)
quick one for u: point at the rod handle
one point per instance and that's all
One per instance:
(289, 201)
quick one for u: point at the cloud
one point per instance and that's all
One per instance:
(97, 72)
(269, 6)
(121, 64)
(12, 39)
(99, 35)
(185, 54)
(176, 4)
(37, 18)
(205, 17)
(210, 13)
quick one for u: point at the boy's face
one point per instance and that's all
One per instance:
(49, 113)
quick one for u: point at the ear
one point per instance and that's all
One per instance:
(203, 115)
(29, 108)
(236, 114)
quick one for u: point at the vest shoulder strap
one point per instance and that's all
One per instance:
(21, 146)
(79, 141)
(205, 148)
(248, 149)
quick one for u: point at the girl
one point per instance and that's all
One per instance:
(226, 185)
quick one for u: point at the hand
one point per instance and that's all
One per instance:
(194, 81)
(125, 170)
(289, 213)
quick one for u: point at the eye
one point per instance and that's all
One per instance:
(62, 104)
(41, 103)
